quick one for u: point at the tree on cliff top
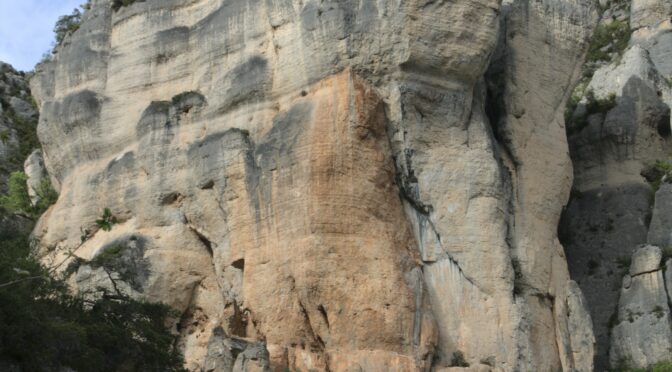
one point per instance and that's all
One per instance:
(67, 24)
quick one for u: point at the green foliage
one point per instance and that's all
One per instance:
(47, 196)
(599, 105)
(662, 367)
(67, 25)
(594, 105)
(607, 39)
(658, 173)
(26, 131)
(4, 137)
(624, 366)
(17, 199)
(107, 220)
(44, 327)
(118, 4)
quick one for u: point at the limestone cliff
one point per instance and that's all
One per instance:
(329, 185)
(620, 145)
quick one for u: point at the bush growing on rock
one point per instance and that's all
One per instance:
(17, 199)
(609, 38)
(67, 24)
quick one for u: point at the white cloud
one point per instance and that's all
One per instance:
(26, 29)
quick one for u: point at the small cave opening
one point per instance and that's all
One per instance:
(239, 264)
(663, 126)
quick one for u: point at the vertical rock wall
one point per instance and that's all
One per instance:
(624, 129)
(363, 185)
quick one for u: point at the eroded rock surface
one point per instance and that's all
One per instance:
(642, 333)
(621, 130)
(360, 185)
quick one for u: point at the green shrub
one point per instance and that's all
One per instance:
(616, 34)
(44, 327)
(17, 199)
(594, 105)
(67, 25)
(657, 173)
(107, 220)
(47, 196)
(662, 367)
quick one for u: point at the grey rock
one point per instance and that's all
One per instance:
(580, 329)
(645, 259)
(660, 229)
(668, 278)
(36, 172)
(226, 354)
(210, 177)
(600, 230)
(643, 333)
(649, 12)
(22, 108)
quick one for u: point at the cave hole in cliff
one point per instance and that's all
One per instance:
(663, 127)
(239, 264)
(171, 198)
(238, 321)
(208, 185)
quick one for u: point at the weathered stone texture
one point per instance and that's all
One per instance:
(328, 177)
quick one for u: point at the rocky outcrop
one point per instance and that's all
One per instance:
(358, 185)
(621, 128)
(642, 333)
(37, 175)
(18, 119)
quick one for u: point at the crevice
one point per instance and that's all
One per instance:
(323, 311)
(318, 344)
(238, 321)
(202, 238)
(645, 272)
(171, 198)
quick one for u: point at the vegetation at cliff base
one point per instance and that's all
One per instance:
(43, 327)
(17, 199)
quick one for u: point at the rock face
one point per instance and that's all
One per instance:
(341, 185)
(625, 131)
(18, 119)
(642, 335)
(36, 172)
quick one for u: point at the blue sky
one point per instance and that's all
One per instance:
(26, 29)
